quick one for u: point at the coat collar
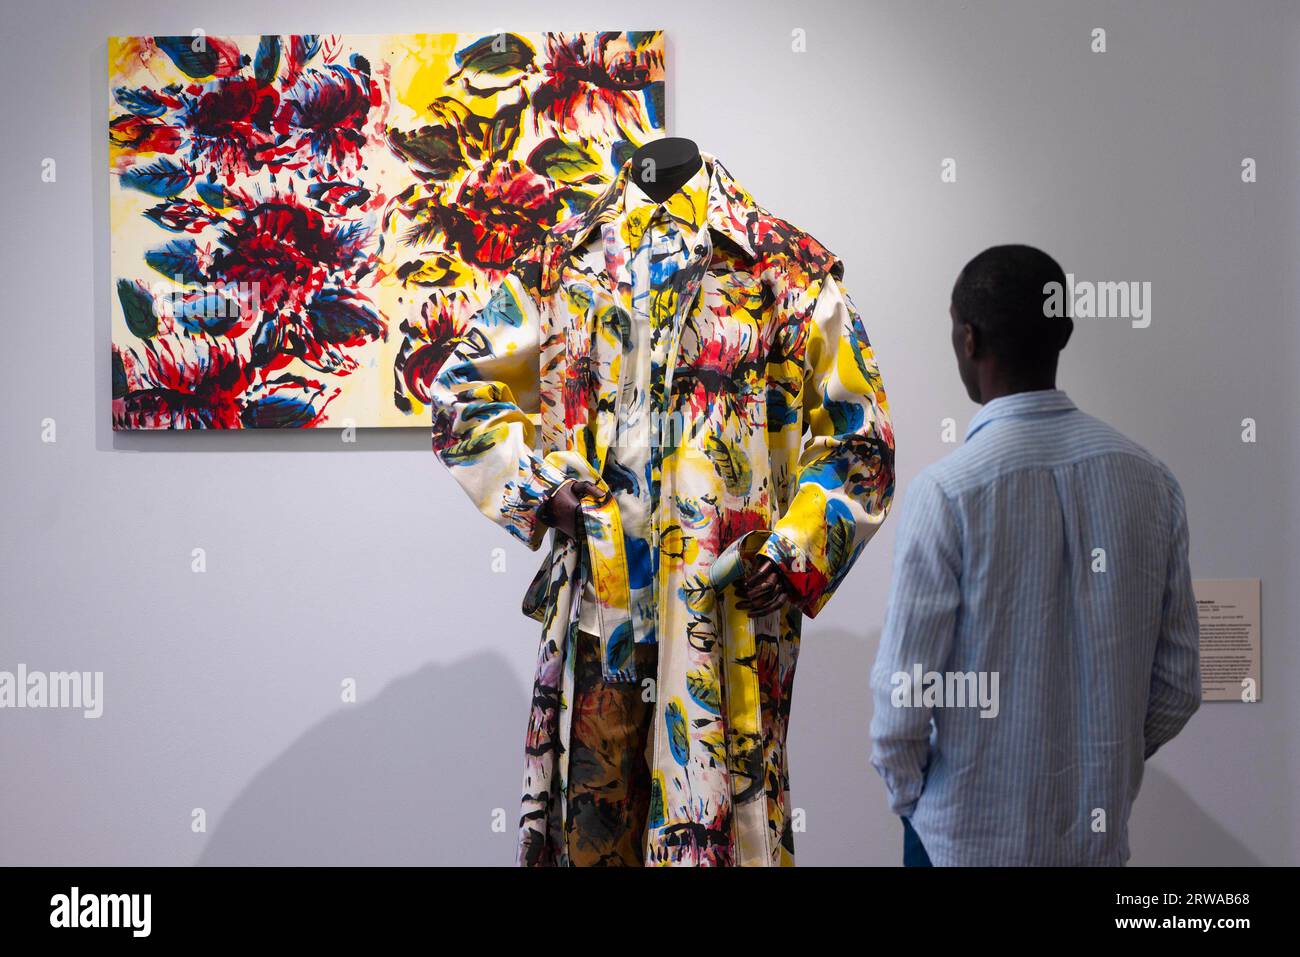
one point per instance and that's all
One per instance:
(688, 207)
(730, 210)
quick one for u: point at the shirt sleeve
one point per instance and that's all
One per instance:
(484, 400)
(845, 480)
(918, 636)
(1176, 669)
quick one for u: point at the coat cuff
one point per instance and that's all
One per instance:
(544, 506)
(544, 482)
(808, 582)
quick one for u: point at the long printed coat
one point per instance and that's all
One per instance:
(776, 441)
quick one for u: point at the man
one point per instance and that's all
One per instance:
(711, 413)
(1041, 639)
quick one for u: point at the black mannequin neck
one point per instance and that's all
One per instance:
(662, 167)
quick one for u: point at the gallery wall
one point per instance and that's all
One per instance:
(328, 563)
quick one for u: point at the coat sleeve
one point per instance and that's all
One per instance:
(485, 399)
(845, 479)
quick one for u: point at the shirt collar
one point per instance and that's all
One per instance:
(1040, 402)
(730, 210)
(688, 206)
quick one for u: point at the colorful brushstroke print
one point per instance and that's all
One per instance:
(299, 221)
(774, 439)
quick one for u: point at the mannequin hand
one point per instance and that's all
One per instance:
(561, 510)
(764, 590)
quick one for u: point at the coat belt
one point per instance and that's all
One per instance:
(742, 700)
(605, 558)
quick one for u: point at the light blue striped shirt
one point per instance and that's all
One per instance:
(1041, 572)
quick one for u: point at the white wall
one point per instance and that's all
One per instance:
(328, 561)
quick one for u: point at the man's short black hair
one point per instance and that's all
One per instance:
(1002, 293)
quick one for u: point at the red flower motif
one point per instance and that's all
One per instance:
(285, 251)
(326, 112)
(584, 85)
(179, 382)
(228, 123)
(500, 211)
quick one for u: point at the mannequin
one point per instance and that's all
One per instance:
(664, 544)
(660, 168)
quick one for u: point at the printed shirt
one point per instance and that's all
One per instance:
(663, 235)
(1051, 552)
(778, 442)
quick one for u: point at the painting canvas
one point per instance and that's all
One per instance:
(301, 224)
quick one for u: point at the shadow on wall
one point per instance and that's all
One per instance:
(412, 777)
(846, 817)
(1168, 828)
(415, 777)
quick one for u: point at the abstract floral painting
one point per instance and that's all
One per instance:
(299, 223)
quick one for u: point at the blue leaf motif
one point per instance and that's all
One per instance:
(141, 102)
(163, 179)
(679, 742)
(179, 258)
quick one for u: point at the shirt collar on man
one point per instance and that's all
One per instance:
(1040, 402)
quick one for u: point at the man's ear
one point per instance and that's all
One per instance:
(1066, 332)
(970, 340)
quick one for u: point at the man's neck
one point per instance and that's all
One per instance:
(998, 387)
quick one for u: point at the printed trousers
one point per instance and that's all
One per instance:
(609, 760)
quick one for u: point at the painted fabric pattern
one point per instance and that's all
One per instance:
(609, 782)
(780, 436)
(661, 236)
(297, 221)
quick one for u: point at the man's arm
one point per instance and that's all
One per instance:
(919, 626)
(1176, 670)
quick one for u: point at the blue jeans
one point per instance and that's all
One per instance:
(914, 854)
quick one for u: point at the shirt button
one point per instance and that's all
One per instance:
(699, 250)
